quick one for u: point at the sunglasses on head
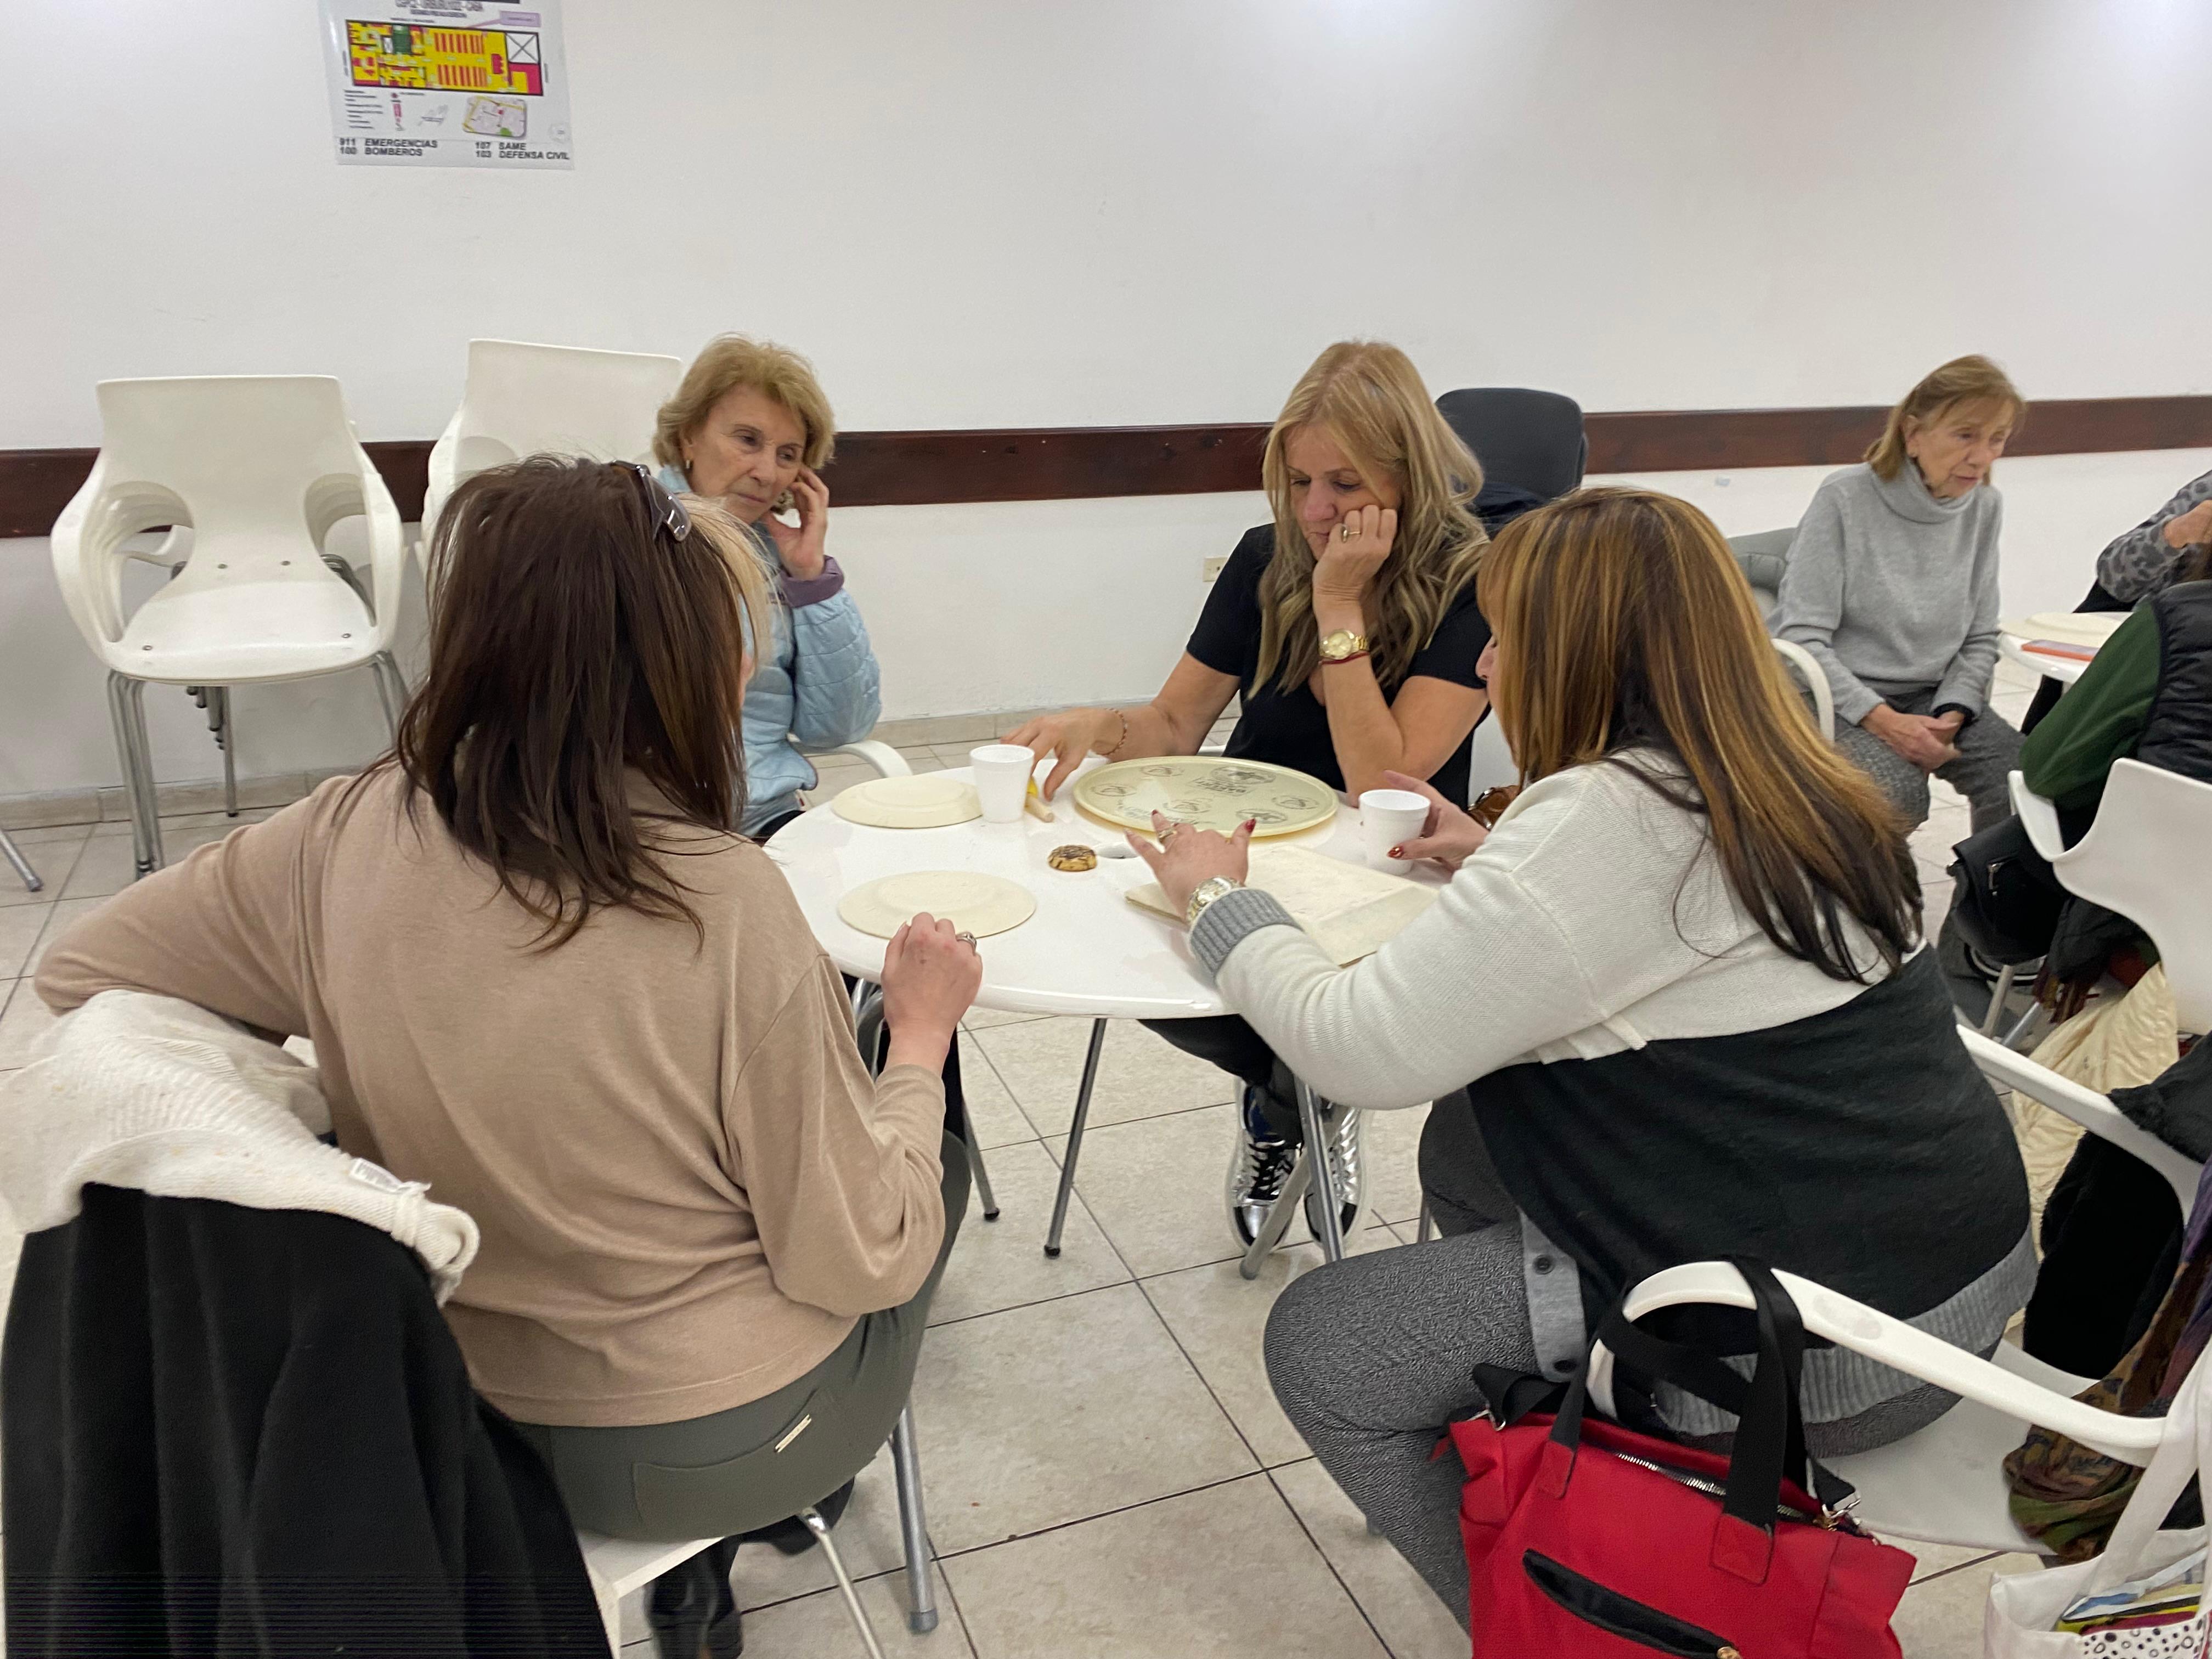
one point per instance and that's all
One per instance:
(666, 512)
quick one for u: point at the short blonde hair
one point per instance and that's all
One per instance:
(731, 360)
(1973, 379)
(1368, 396)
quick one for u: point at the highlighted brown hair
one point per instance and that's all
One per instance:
(1369, 398)
(577, 648)
(731, 360)
(1962, 380)
(1624, 623)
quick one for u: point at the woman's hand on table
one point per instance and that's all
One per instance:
(1065, 739)
(1450, 836)
(931, 976)
(1188, 856)
(1923, 739)
(1346, 569)
(801, 548)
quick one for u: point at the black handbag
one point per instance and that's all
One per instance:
(2005, 898)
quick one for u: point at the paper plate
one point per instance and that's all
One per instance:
(1208, 790)
(928, 801)
(2068, 627)
(974, 902)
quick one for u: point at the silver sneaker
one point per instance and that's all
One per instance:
(1259, 1163)
(1347, 1148)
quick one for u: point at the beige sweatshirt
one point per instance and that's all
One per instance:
(688, 1184)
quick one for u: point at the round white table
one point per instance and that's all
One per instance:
(1087, 952)
(2064, 670)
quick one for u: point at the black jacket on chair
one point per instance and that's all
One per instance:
(241, 1432)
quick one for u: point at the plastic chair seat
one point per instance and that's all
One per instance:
(261, 627)
(1945, 1485)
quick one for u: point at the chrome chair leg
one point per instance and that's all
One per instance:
(913, 1526)
(2005, 977)
(1317, 1118)
(820, 1528)
(219, 721)
(391, 688)
(9, 849)
(1427, 1230)
(127, 709)
(1075, 1138)
(982, 1177)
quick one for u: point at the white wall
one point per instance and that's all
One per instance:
(986, 212)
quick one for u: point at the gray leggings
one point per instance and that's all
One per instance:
(1988, 747)
(753, 1465)
(1369, 1359)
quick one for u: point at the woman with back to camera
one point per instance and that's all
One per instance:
(749, 429)
(1892, 585)
(1675, 1006)
(1349, 628)
(545, 973)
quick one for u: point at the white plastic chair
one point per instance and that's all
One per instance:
(887, 761)
(1944, 1485)
(522, 400)
(259, 468)
(2139, 858)
(1490, 762)
(1816, 683)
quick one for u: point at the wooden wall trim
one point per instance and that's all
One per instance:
(905, 468)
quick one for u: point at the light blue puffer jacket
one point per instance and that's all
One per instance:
(818, 685)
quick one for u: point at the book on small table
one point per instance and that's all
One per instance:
(1348, 909)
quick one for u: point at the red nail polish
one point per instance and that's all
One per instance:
(1397, 852)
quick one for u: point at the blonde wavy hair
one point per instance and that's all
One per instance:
(731, 360)
(1973, 379)
(1369, 398)
(1624, 623)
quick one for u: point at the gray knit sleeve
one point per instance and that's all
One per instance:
(1812, 600)
(2142, 562)
(1224, 924)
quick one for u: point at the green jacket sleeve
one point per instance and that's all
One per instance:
(2099, 719)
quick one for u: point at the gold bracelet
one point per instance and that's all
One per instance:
(1121, 741)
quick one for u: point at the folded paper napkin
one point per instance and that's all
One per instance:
(160, 1095)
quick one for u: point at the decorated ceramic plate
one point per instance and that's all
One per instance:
(1209, 790)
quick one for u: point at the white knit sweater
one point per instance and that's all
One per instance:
(160, 1096)
(1595, 919)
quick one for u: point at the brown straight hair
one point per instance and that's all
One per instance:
(1971, 380)
(1622, 622)
(577, 647)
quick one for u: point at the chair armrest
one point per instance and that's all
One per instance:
(2085, 1106)
(1863, 1329)
(1824, 696)
(887, 761)
(2039, 817)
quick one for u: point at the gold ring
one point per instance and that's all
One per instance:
(1345, 532)
(966, 938)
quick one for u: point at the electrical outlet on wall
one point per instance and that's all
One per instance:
(1209, 569)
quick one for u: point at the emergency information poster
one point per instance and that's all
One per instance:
(447, 83)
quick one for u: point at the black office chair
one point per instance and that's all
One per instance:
(1530, 443)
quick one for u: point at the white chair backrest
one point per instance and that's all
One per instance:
(249, 455)
(2145, 856)
(1490, 762)
(521, 399)
(1815, 683)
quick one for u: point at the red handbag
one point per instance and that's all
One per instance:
(1588, 1540)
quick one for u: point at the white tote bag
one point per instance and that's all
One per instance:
(2022, 1608)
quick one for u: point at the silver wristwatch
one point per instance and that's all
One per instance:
(1204, 894)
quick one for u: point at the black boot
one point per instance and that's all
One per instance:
(694, 1611)
(791, 1535)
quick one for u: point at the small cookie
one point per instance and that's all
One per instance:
(1073, 857)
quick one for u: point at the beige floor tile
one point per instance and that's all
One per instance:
(1393, 1184)
(1047, 1415)
(868, 1537)
(1139, 1075)
(19, 927)
(217, 819)
(106, 865)
(22, 1022)
(1413, 1623)
(1219, 1319)
(1941, 1618)
(1220, 1574)
(816, 1626)
(65, 915)
(922, 757)
(1001, 1264)
(982, 1019)
(52, 836)
(1939, 1558)
(993, 1115)
(52, 860)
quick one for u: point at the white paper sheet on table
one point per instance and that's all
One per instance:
(1347, 909)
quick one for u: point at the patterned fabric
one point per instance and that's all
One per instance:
(2070, 1496)
(2141, 562)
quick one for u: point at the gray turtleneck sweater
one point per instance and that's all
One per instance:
(1895, 593)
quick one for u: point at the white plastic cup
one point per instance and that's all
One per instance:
(1386, 818)
(1002, 780)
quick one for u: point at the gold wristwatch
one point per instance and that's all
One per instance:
(1342, 645)
(1204, 893)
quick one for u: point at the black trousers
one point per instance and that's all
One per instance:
(1226, 1040)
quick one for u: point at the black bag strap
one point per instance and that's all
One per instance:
(1510, 1395)
(1769, 1437)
